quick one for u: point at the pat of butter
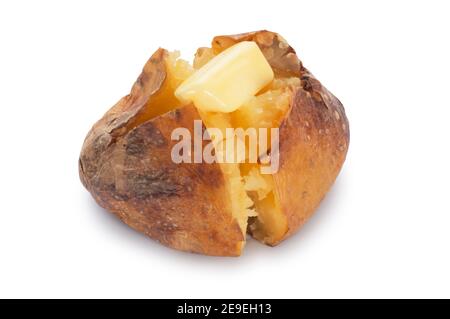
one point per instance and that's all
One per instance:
(229, 80)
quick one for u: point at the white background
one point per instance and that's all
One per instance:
(382, 231)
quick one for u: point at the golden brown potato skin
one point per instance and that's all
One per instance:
(129, 171)
(125, 163)
(314, 139)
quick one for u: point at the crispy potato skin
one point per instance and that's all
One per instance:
(129, 172)
(314, 139)
(125, 162)
(314, 135)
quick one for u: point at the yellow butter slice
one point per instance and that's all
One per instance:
(229, 80)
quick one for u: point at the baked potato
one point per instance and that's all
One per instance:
(208, 208)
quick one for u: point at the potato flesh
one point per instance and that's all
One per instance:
(228, 80)
(267, 109)
(241, 204)
(253, 199)
(269, 225)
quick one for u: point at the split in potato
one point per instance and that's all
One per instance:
(206, 208)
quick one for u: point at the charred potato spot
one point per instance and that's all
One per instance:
(205, 208)
(147, 185)
(139, 140)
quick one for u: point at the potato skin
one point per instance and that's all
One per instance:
(314, 139)
(125, 162)
(314, 135)
(127, 167)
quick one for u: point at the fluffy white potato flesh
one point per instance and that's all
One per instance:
(228, 80)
